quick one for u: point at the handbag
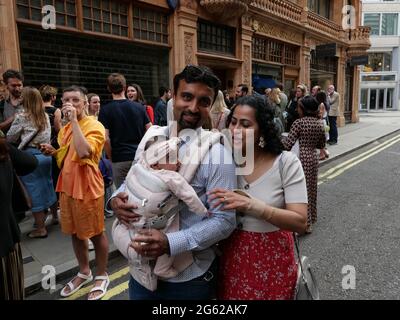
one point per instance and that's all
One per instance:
(306, 285)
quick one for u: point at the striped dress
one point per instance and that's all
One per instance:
(12, 275)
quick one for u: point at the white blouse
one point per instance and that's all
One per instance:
(272, 190)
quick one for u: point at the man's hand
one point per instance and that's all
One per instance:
(151, 243)
(123, 209)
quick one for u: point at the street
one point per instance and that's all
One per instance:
(358, 226)
(357, 230)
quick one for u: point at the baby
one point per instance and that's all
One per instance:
(155, 184)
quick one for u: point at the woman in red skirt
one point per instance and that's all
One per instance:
(258, 260)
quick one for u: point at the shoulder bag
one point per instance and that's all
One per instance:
(306, 285)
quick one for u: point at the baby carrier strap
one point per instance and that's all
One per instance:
(196, 153)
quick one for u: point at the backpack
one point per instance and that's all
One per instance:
(106, 171)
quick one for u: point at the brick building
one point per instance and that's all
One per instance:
(257, 42)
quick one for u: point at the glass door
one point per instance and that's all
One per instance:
(372, 99)
(381, 99)
(376, 99)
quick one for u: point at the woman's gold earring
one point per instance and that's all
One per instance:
(261, 143)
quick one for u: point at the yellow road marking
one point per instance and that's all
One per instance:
(116, 290)
(338, 170)
(330, 171)
(86, 290)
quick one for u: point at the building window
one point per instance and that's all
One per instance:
(32, 10)
(389, 24)
(379, 61)
(328, 64)
(150, 25)
(385, 24)
(215, 38)
(291, 55)
(372, 20)
(364, 99)
(320, 6)
(270, 50)
(105, 16)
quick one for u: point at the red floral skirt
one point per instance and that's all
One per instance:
(257, 266)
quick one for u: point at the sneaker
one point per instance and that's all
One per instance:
(91, 246)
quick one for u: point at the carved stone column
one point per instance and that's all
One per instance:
(244, 74)
(305, 60)
(356, 95)
(9, 50)
(340, 86)
(184, 42)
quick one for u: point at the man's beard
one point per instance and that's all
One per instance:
(16, 94)
(189, 124)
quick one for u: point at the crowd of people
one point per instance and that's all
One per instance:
(240, 247)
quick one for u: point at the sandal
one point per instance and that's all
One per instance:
(88, 278)
(36, 235)
(103, 287)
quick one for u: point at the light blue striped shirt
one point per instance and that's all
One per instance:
(198, 234)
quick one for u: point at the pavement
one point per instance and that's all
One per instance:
(56, 250)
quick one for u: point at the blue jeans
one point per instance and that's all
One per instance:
(201, 288)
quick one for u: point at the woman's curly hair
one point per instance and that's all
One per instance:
(265, 119)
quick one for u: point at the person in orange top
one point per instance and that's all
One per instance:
(81, 190)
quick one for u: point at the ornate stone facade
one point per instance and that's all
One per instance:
(189, 50)
(287, 26)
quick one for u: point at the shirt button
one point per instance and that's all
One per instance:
(247, 187)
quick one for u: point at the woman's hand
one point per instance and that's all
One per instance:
(230, 200)
(47, 149)
(241, 203)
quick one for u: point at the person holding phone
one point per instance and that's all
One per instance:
(81, 190)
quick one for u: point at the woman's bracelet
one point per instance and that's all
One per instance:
(272, 213)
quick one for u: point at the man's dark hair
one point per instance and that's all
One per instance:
(162, 91)
(309, 105)
(244, 88)
(11, 73)
(321, 97)
(279, 85)
(116, 83)
(81, 90)
(202, 74)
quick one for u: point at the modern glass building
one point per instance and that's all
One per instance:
(380, 85)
